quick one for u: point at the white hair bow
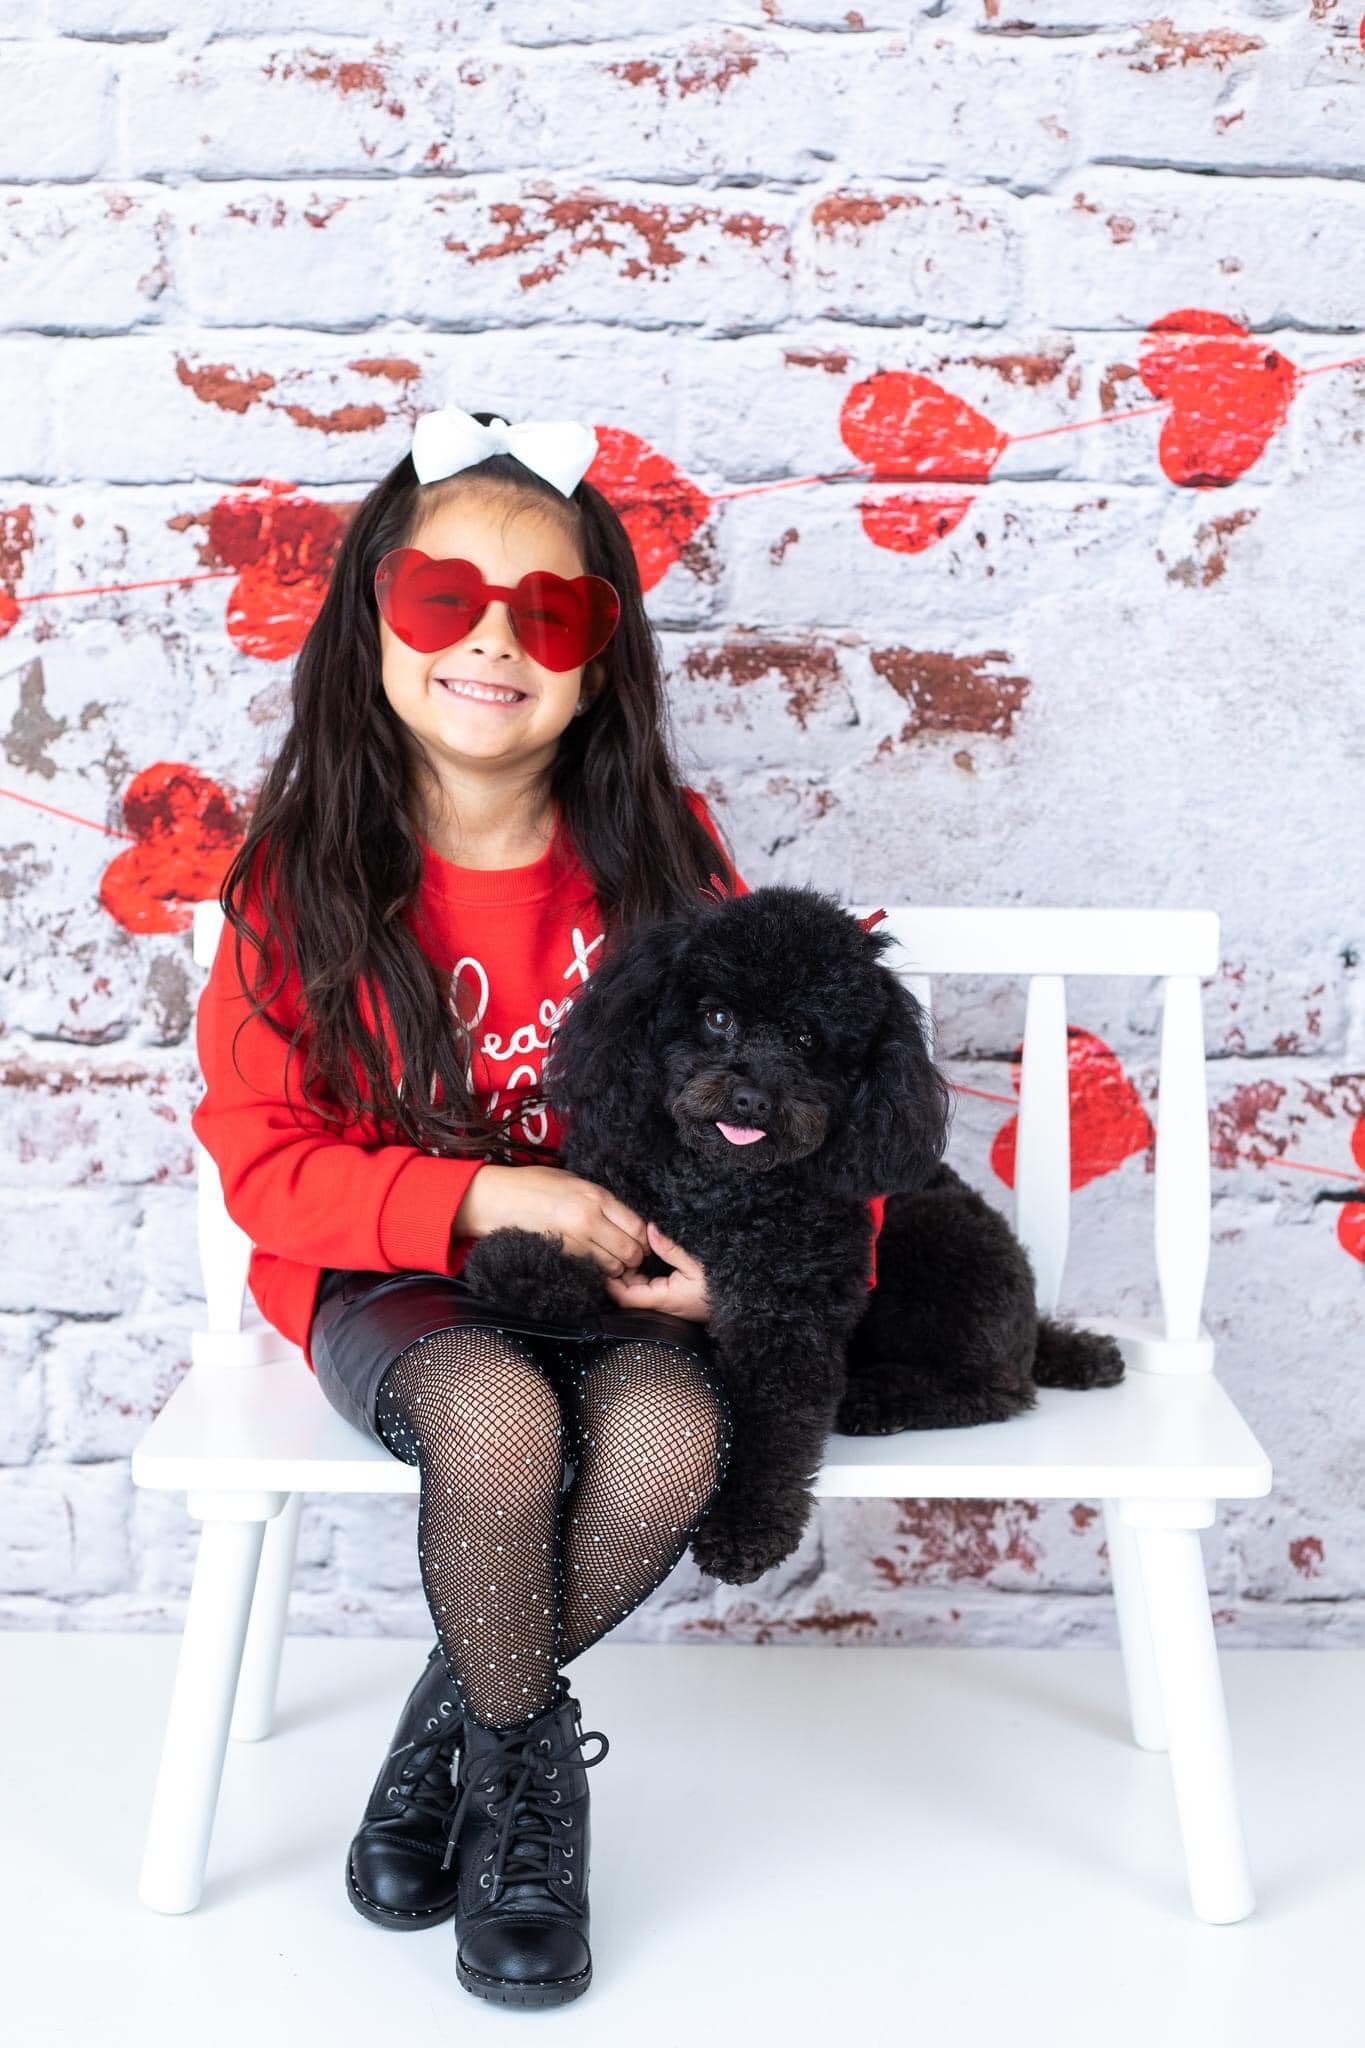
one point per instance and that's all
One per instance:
(450, 439)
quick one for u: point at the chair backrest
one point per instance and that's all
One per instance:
(1045, 946)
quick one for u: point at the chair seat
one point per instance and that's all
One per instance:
(1160, 1435)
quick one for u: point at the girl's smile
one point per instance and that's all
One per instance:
(496, 696)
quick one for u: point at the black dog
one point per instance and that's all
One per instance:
(773, 1012)
(768, 1012)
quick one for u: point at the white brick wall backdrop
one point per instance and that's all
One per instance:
(1085, 659)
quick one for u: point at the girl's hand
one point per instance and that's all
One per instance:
(679, 1293)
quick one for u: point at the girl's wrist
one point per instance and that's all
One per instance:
(477, 1214)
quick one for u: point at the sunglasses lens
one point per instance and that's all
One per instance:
(561, 622)
(429, 604)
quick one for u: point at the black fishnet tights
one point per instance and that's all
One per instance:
(523, 1573)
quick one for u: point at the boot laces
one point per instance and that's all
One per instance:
(520, 1774)
(422, 1781)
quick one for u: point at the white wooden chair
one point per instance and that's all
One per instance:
(248, 1431)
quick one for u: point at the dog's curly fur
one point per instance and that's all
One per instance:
(774, 1010)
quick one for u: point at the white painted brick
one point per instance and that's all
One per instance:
(1119, 249)
(26, 417)
(892, 254)
(303, 255)
(21, 1386)
(374, 1542)
(280, 107)
(93, 1122)
(493, 251)
(64, 1529)
(917, 107)
(84, 258)
(107, 1383)
(1256, 98)
(40, 77)
(76, 1253)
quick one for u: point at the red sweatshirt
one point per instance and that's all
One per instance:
(515, 943)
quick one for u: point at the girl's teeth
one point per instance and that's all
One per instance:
(483, 696)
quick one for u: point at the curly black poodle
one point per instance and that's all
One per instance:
(748, 1076)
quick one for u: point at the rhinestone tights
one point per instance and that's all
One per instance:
(523, 1564)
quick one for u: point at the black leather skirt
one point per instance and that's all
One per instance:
(363, 1321)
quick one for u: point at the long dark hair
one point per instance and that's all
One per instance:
(332, 857)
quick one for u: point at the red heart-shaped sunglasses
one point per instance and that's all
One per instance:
(560, 621)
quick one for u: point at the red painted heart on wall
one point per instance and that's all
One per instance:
(284, 546)
(1229, 395)
(1351, 1221)
(659, 508)
(1108, 1121)
(905, 425)
(185, 832)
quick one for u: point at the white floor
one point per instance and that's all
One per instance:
(795, 1844)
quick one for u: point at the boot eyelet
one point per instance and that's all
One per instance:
(556, 1796)
(544, 1742)
(566, 1848)
(567, 1876)
(392, 1792)
(484, 1879)
(489, 1857)
(554, 1773)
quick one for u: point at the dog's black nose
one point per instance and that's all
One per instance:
(751, 1102)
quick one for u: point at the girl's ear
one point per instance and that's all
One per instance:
(603, 1068)
(895, 1130)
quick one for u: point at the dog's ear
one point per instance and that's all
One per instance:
(603, 1060)
(895, 1130)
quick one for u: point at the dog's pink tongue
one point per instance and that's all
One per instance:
(739, 1134)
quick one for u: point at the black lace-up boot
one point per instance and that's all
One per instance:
(521, 1825)
(394, 1872)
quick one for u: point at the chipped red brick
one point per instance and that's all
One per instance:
(345, 419)
(835, 360)
(806, 670)
(963, 1537)
(16, 541)
(857, 209)
(1209, 541)
(219, 384)
(400, 369)
(951, 692)
(1306, 1554)
(715, 69)
(1032, 369)
(1235, 1127)
(1116, 374)
(1168, 45)
(1082, 1515)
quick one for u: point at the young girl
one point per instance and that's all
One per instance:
(474, 796)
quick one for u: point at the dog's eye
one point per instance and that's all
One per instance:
(805, 1039)
(719, 1018)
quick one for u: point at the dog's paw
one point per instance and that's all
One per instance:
(530, 1271)
(739, 1556)
(867, 1411)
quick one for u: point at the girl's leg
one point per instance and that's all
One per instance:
(651, 1441)
(479, 1416)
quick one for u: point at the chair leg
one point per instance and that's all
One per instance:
(1145, 1714)
(207, 1669)
(253, 1714)
(1186, 1655)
